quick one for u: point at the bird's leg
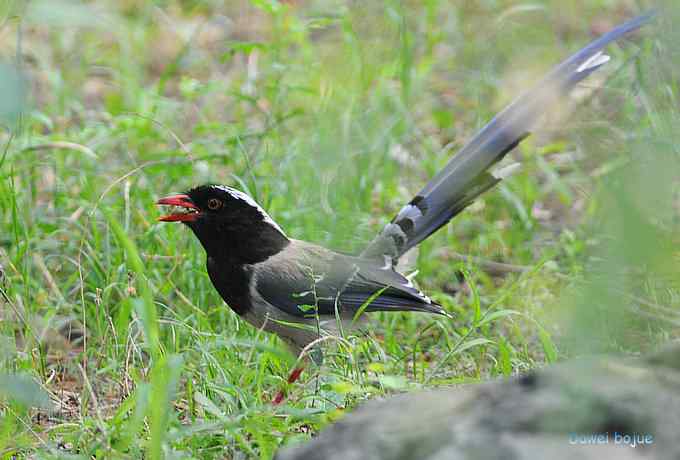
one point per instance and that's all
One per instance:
(292, 378)
(316, 356)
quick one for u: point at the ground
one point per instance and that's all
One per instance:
(332, 114)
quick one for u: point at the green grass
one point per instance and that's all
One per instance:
(331, 116)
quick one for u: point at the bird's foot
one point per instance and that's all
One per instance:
(292, 378)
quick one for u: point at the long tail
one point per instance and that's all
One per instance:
(467, 175)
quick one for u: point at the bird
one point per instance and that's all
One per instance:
(299, 290)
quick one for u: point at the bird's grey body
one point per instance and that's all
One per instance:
(268, 317)
(328, 289)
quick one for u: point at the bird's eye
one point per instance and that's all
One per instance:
(214, 204)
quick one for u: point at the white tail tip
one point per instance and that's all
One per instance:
(596, 60)
(506, 171)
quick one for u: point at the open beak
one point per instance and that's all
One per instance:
(188, 211)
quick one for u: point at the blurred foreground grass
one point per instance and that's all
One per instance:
(331, 114)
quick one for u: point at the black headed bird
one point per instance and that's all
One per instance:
(288, 287)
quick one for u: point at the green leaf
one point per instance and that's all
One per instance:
(13, 90)
(476, 302)
(164, 380)
(344, 387)
(207, 404)
(247, 47)
(270, 6)
(145, 305)
(548, 346)
(23, 390)
(471, 344)
(368, 301)
(393, 382)
(302, 326)
(496, 315)
(504, 363)
(136, 405)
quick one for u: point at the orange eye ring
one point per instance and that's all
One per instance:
(214, 204)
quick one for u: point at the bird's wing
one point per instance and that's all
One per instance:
(467, 175)
(307, 279)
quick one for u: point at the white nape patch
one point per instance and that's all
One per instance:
(595, 60)
(506, 171)
(239, 195)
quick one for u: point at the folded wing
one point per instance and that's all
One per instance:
(325, 282)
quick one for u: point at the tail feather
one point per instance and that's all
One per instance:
(466, 175)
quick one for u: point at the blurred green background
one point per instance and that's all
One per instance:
(113, 342)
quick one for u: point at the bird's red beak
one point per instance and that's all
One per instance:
(189, 214)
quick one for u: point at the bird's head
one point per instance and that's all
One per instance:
(228, 222)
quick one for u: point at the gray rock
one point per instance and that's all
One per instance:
(555, 413)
